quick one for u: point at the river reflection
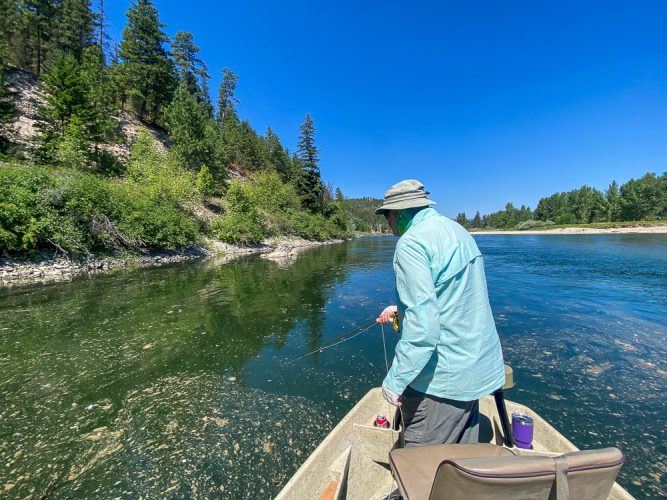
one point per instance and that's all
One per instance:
(170, 382)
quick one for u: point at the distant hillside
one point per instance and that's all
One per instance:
(29, 96)
(363, 212)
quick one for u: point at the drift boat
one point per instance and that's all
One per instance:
(360, 461)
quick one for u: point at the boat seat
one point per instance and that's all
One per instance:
(466, 472)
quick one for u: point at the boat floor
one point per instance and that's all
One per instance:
(352, 461)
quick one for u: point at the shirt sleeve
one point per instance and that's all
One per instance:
(420, 330)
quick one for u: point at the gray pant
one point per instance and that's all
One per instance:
(431, 420)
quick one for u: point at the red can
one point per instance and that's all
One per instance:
(381, 421)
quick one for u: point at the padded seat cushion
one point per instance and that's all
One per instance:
(464, 472)
(415, 468)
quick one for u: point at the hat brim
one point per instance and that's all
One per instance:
(401, 205)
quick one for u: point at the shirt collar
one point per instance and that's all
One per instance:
(427, 213)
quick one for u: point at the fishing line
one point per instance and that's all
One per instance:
(336, 341)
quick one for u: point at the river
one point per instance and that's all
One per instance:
(169, 382)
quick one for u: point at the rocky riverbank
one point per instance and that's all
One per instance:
(44, 269)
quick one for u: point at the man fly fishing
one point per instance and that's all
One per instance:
(449, 353)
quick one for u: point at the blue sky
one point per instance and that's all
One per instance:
(485, 102)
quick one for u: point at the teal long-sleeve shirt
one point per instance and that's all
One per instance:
(449, 346)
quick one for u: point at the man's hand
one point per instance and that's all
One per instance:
(387, 315)
(390, 396)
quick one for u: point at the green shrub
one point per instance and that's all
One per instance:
(238, 229)
(241, 223)
(309, 226)
(21, 205)
(150, 224)
(528, 224)
(76, 212)
(205, 182)
(270, 194)
(159, 176)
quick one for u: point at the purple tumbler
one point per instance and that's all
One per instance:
(522, 430)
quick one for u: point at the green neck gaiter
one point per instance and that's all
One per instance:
(404, 219)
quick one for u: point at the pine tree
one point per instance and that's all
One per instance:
(66, 98)
(462, 219)
(226, 100)
(75, 27)
(6, 109)
(477, 221)
(65, 93)
(205, 95)
(310, 185)
(613, 202)
(190, 69)
(278, 156)
(145, 69)
(36, 32)
(250, 150)
(8, 25)
(100, 126)
(186, 119)
(75, 119)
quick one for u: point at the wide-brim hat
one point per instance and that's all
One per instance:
(406, 194)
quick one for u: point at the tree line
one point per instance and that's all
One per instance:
(643, 199)
(88, 82)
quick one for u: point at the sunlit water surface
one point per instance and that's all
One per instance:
(167, 382)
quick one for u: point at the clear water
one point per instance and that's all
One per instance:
(167, 382)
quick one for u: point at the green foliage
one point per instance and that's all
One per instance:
(149, 205)
(72, 149)
(463, 220)
(583, 205)
(157, 176)
(205, 182)
(155, 223)
(66, 93)
(77, 212)
(226, 99)
(186, 121)
(309, 182)
(241, 223)
(637, 199)
(6, 110)
(146, 73)
(363, 218)
(308, 225)
(75, 117)
(74, 27)
(100, 97)
(613, 199)
(531, 224)
(477, 221)
(191, 70)
(645, 198)
(267, 191)
(508, 218)
(8, 26)
(278, 157)
(35, 44)
(251, 151)
(264, 206)
(238, 228)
